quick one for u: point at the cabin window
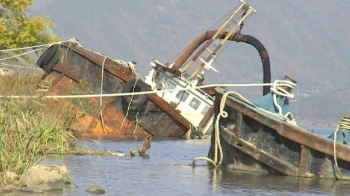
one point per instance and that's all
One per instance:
(195, 103)
(205, 110)
(171, 85)
(182, 95)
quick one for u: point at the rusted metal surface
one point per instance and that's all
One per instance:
(304, 159)
(79, 72)
(110, 65)
(260, 155)
(254, 138)
(74, 69)
(196, 43)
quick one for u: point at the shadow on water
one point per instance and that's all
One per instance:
(167, 171)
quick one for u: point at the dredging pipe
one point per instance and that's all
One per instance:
(238, 37)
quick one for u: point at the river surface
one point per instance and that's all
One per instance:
(168, 171)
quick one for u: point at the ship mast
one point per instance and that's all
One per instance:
(230, 28)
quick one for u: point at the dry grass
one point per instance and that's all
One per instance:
(30, 128)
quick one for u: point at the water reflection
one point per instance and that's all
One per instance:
(167, 171)
(246, 183)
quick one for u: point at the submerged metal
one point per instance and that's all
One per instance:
(253, 139)
(78, 71)
(166, 112)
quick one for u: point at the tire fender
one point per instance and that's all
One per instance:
(47, 56)
(53, 61)
(135, 85)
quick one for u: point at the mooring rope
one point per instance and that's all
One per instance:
(137, 120)
(345, 125)
(277, 89)
(71, 41)
(217, 146)
(101, 86)
(129, 104)
(137, 77)
(22, 54)
(31, 47)
(21, 66)
(132, 93)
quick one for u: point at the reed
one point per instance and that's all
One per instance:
(30, 128)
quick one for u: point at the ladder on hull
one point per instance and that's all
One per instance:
(207, 54)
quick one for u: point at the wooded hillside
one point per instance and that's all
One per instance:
(307, 40)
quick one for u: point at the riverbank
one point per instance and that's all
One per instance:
(34, 128)
(169, 172)
(30, 128)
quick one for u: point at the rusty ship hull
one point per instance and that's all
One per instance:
(74, 70)
(254, 140)
(173, 105)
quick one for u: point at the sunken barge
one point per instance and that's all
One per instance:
(262, 136)
(75, 70)
(165, 103)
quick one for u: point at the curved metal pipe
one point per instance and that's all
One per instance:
(264, 56)
(265, 59)
(192, 47)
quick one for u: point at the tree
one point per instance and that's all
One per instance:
(19, 30)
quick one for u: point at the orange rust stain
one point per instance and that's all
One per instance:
(92, 125)
(113, 117)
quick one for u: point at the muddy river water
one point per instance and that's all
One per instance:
(167, 171)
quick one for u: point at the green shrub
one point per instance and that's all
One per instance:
(30, 128)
